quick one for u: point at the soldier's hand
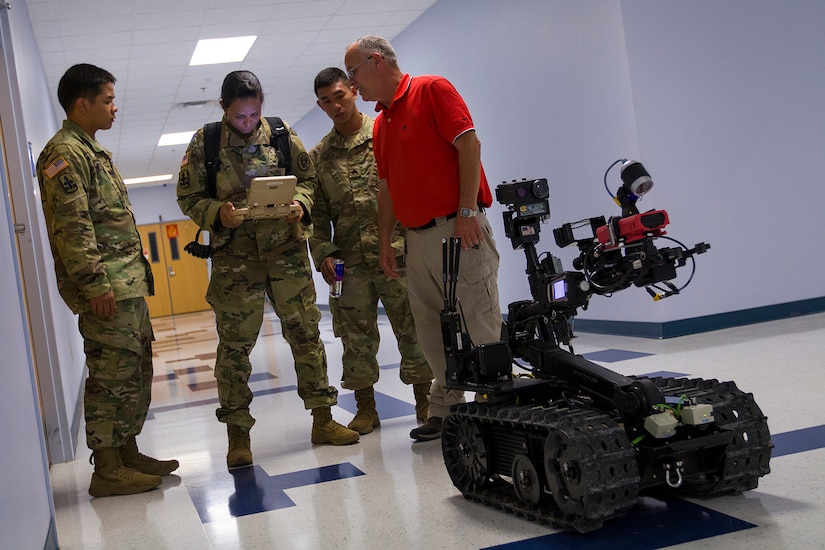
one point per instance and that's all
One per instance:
(227, 219)
(296, 216)
(104, 305)
(328, 269)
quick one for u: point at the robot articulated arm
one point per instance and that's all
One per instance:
(613, 255)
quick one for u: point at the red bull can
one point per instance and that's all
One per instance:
(337, 288)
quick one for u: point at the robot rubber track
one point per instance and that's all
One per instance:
(508, 456)
(485, 443)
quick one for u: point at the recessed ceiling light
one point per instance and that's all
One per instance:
(221, 50)
(147, 179)
(177, 138)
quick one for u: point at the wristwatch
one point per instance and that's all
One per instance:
(467, 213)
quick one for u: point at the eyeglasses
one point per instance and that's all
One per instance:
(351, 72)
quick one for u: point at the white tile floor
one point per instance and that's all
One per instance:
(387, 492)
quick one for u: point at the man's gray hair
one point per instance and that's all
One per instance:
(371, 44)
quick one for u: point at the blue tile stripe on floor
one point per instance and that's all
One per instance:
(250, 490)
(653, 523)
(798, 441)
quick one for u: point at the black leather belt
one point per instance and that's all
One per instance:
(434, 221)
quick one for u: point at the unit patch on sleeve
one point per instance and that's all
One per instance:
(69, 186)
(303, 161)
(56, 167)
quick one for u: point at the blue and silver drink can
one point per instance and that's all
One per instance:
(337, 288)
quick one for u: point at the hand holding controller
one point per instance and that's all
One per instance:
(240, 213)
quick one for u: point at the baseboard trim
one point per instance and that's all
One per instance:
(695, 325)
(707, 323)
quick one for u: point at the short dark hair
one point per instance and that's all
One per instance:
(238, 85)
(328, 77)
(81, 80)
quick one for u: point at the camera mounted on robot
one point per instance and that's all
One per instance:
(528, 205)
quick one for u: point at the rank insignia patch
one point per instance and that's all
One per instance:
(56, 167)
(69, 186)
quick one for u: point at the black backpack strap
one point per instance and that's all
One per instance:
(211, 142)
(280, 140)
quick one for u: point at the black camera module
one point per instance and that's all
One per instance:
(523, 192)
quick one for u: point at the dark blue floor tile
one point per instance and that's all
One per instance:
(654, 523)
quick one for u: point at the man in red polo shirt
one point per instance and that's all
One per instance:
(432, 182)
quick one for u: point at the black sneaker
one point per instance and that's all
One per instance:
(428, 431)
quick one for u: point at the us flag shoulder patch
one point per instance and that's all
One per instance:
(56, 167)
(185, 160)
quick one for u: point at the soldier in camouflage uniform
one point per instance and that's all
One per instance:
(346, 203)
(103, 276)
(257, 258)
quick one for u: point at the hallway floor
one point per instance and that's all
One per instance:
(389, 492)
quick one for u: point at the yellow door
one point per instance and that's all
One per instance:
(188, 276)
(160, 305)
(180, 279)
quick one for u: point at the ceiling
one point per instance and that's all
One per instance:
(147, 44)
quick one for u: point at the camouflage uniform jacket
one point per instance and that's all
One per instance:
(89, 219)
(253, 157)
(346, 199)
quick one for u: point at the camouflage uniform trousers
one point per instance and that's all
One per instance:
(239, 282)
(119, 385)
(355, 322)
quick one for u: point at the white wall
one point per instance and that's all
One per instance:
(151, 203)
(25, 492)
(58, 348)
(27, 518)
(729, 103)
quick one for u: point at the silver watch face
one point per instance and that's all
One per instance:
(467, 213)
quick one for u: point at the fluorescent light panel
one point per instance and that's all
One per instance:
(221, 50)
(176, 138)
(147, 179)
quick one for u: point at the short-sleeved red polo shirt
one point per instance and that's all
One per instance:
(413, 145)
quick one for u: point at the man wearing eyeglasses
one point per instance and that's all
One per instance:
(432, 182)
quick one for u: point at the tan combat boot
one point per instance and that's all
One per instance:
(111, 477)
(366, 417)
(422, 400)
(132, 458)
(327, 430)
(240, 451)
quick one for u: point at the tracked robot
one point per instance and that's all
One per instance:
(566, 441)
